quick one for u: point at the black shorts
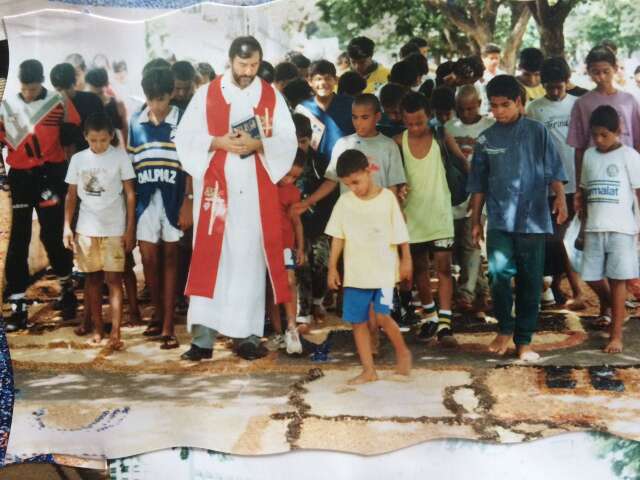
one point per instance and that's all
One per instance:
(440, 245)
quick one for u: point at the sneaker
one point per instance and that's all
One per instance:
(547, 297)
(292, 341)
(427, 331)
(66, 302)
(275, 342)
(19, 313)
(446, 338)
(196, 353)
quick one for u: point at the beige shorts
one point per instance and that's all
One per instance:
(95, 254)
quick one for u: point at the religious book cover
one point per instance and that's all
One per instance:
(253, 126)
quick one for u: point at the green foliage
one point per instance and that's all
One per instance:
(597, 20)
(503, 29)
(409, 18)
(624, 456)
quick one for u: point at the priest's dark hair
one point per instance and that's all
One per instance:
(98, 122)
(368, 99)
(351, 161)
(244, 47)
(157, 82)
(31, 71)
(63, 76)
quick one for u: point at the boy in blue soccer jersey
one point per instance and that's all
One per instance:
(163, 197)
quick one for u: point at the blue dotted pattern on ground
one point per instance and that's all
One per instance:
(165, 4)
(6, 393)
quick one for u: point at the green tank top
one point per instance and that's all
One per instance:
(428, 204)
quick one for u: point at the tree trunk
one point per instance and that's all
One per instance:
(550, 21)
(520, 16)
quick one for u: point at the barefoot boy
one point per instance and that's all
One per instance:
(367, 223)
(514, 164)
(610, 179)
(106, 228)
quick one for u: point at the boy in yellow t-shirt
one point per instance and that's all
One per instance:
(360, 51)
(368, 224)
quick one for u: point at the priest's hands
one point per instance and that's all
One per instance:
(240, 143)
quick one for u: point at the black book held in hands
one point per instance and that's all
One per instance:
(251, 125)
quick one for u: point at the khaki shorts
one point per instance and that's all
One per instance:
(95, 254)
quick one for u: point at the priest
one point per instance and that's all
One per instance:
(237, 245)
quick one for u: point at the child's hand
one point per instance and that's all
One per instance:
(129, 241)
(333, 279)
(403, 191)
(406, 271)
(560, 209)
(477, 234)
(301, 258)
(185, 216)
(298, 208)
(67, 239)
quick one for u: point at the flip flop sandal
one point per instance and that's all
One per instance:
(153, 330)
(603, 321)
(169, 342)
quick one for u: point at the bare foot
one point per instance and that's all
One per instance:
(403, 363)
(576, 304)
(115, 344)
(364, 377)
(526, 354)
(614, 346)
(500, 344)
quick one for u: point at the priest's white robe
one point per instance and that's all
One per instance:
(237, 308)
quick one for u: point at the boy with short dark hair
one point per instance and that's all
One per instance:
(602, 65)
(184, 83)
(473, 286)
(443, 104)
(284, 73)
(351, 84)
(529, 64)
(294, 257)
(360, 51)
(32, 128)
(367, 225)
(102, 177)
(514, 164)
(163, 198)
(427, 207)
(491, 58)
(610, 182)
(554, 111)
(312, 278)
(330, 113)
(390, 123)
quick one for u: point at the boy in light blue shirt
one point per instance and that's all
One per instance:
(514, 165)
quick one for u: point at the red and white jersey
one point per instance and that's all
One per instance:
(32, 131)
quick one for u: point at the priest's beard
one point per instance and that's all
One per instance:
(242, 81)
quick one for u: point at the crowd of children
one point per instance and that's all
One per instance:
(398, 175)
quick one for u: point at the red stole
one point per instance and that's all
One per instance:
(209, 232)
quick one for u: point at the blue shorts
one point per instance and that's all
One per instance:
(356, 303)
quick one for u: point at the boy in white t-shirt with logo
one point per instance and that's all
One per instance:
(609, 181)
(368, 225)
(102, 177)
(473, 286)
(554, 111)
